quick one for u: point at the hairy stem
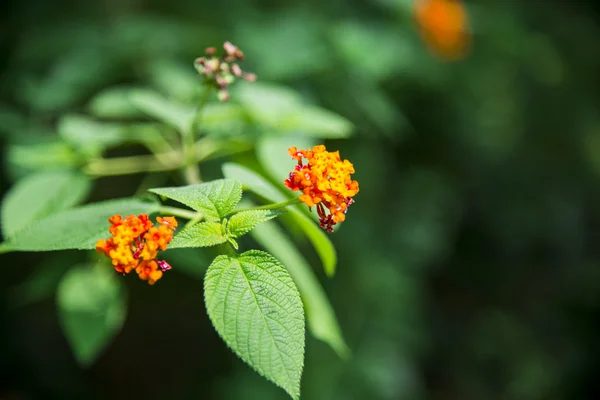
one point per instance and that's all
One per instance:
(273, 206)
(179, 212)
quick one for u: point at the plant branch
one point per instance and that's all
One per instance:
(133, 164)
(180, 212)
(273, 206)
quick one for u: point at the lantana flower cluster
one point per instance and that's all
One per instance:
(135, 244)
(223, 70)
(325, 183)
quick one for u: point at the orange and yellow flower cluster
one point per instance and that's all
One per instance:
(325, 183)
(135, 244)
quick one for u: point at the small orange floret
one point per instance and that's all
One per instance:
(325, 183)
(135, 244)
(149, 271)
(443, 25)
(169, 222)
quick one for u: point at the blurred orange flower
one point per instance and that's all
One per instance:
(444, 27)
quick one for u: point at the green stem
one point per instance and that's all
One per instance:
(194, 221)
(191, 171)
(273, 206)
(179, 212)
(132, 164)
(201, 104)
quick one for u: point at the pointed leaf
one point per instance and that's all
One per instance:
(281, 109)
(115, 103)
(92, 308)
(203, 234)
(320, 315)
(319, 123)
(40, 195)
(214, 199)
(243, 222)
(256, 308)
(264, 188)
(89, 136)
(78, 228)
(179, 116)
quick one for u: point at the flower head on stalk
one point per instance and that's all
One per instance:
(324, 182)
(221, 71)
(135, 243)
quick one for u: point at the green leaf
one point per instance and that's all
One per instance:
(40, 195)
(89, 136)
(203, 234)
(264, 188)
(175, 79)
(179, 116)
(282, 110)
(244, 221)
(223, 120)
(319, 123)
(213, 199)
(93, 137)
(77, 228)
(266, 103)
(115, 103)
(256, 308)
(319, 313)
(53, 154)
(92, 309)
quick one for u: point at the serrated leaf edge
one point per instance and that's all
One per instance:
(296, 394)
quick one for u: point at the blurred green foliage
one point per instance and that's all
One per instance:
(468, 267)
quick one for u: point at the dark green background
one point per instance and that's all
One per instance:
(469, 267)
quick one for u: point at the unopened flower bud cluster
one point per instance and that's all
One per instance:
(222, 71)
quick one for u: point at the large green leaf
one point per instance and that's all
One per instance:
(204, 234)
(92, 308)
(319, 312)
(259, 185)
(89, 136)
(179, 116)
(317, 122)
(77, 228)
(214, 199)
(280, 109)
(254, 305)
(49, 155)
(115, 103)
(244, 221)
(175, 79)
(92, 137)
(40, 195)
(222, 120)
